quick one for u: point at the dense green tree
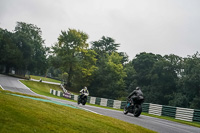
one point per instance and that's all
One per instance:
(29, 41)
(105, 45)
(125, 57)
(179, 99)
(109, 79)
(131, 79)
(10, 54)
(156, 75)
(143, 64)
(163, 81)
(86, 67)
(76, 60)
(189, 82)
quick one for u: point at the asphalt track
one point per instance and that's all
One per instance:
(155, 124)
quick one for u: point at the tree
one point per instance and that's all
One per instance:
(104, 46)
(86, 67)
(163, 81)
(109, 79)
(131, 78)
(76, 59)
(190, 80)
(157, 76)
(28, 39)
(143, 64)
(179, 100)
(10, 54)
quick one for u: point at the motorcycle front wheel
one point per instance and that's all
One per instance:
(78, 101)
(125, 110)
(84, 101)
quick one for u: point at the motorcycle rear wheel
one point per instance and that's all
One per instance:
(137, 110)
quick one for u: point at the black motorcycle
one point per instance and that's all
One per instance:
(82, 98)
(135, 108)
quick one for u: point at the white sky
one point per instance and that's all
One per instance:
(157, 26)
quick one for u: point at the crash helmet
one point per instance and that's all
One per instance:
(137, 88)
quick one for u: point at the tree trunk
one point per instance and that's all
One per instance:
(69, 84)
(7, 69)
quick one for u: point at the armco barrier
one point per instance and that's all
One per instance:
(196, 115)
(88, 99)
(145, 107)
(117, 104)
(110, 103)
(184, 114)
(98, 101)
(92, 100)
(169, 111)
(155, 109)
(75, 97)
(56, 93)
(103, 102)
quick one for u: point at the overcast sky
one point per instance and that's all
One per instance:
(157, 26)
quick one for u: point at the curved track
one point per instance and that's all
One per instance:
(159, 125)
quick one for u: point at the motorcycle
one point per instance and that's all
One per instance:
(82, 99)
(135, 108)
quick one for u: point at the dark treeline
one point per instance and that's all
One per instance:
(167, 80)
(22, 49)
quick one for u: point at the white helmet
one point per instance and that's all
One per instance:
(137, 88)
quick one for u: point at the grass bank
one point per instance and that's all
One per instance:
(24, 115)
(40, 87)
(44, 79)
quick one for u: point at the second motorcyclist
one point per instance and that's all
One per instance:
(134, 95)
(83, 95)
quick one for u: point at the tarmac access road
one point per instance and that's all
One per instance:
(155, 124)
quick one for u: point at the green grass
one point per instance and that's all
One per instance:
(43, 89)
(44, 79)
(24, 115)
(40, 87)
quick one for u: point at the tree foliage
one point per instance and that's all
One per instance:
(30, 42)
(75, 58)
(23, 50)
(167, 80)
(108, 80)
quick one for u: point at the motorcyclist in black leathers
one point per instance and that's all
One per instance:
(135, 94)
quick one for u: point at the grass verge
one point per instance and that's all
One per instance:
(44, 79)
(24, 115)
(43, 89)
(40, 87)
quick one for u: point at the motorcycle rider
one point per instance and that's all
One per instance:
(84, 91)
(134, 95)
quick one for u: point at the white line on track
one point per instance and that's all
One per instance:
(89, 110)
